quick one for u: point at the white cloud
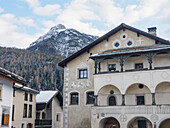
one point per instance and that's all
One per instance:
(27, 21)
(33, 3)
(9, 34)
(47, 10)
(1, 10)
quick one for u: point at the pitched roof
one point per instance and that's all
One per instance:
(143, 49)
(12, 76)
(106, 36)
(27, 89)
(45, 96)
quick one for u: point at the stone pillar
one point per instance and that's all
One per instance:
(99, 67)
(95, 103)
(95, 67)
(153, 99)
(123, 99)
(149, 57)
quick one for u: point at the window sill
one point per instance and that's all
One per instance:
(82, 78)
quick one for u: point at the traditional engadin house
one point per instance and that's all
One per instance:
(127, 72)
(7, 81)
(24, 107)
(49, 112)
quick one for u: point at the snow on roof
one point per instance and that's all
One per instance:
(25, 88)
(45, 96)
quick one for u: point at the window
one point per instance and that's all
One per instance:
(82, 73)
(1, 93)
(14, 92)
(43, 115)
(58, 117)
(30, 111)
(29, 125)
(90, 98)
(26, 96)
(112, 67)
(13, 108)
(74, 98)
(37, 115)
(5, 117)
(142, 124)
(140, 100)
(112, 101)
(25, 111)
(138, 65)
(117, 44)
(129, 43)
(31, 97)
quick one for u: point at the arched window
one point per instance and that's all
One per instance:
(112, 101)
(90, 97)
(74, 98)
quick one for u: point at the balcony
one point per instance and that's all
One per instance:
(43, 123)
(137, 110)
(123, 80)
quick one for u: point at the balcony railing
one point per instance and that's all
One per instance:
(157, 109)
(43, 122)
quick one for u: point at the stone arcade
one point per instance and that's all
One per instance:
(121, 80)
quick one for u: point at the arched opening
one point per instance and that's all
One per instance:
(109, 122)
(138, 94)
(165, 124)
(109, 95)
(162, 91)
(112, 101)
(140, 122)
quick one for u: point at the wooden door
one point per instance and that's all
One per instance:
(112, 123)
(112, 101)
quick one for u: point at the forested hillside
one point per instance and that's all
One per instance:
(40, 70)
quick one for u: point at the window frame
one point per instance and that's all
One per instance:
(83, 70)
(30, 111)
(112, 69)
(26, 96)
(135, 65)
(89, 100)
(25, 111)
(31, 97)
(137, 103)
(71, 100)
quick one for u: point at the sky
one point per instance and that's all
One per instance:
(23, 21)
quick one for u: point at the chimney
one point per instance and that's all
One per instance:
(152, 31)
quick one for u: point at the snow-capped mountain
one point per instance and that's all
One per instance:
(61, 41)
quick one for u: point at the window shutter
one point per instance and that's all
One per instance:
(6, 119)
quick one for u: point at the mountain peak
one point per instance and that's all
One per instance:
(57, 27)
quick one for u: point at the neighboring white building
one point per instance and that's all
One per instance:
(7, 81)
(49, 113)
(121, 80)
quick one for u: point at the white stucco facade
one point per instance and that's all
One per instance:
(6, 101)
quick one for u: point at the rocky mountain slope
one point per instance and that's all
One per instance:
(61, 41)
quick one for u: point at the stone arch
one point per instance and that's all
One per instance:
(106, 92)
(163, 123)
(135, 91)
(162, 91)
(109, 121)
(139, 120)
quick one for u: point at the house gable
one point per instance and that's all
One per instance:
(124, 29)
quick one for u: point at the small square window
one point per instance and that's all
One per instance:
(112, 67)
(90, 98)
(140, 100)
(58, 117)
(74, 98)
(138, 65)
(82, 73)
